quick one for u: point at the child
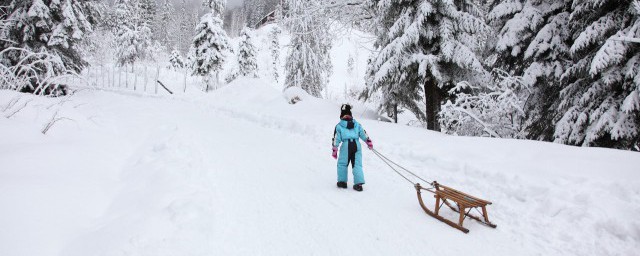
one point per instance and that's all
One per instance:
(345, 137)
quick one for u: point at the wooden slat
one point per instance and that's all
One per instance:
(453, 197)
(459, 198)
(478, 199)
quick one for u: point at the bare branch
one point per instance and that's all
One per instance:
(53, 121)
(18, 109)
(11, 103)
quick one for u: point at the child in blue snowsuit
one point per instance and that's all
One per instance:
(345, 137)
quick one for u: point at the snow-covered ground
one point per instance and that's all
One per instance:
(239, 171)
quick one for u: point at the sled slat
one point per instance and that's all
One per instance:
(470, 196)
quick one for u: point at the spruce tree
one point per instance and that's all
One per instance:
(57, 27)
(599, 104)
(532, 43)
(206, 54)
(133, 32)
(166, 29)
(308, 63)
(423, 48)
(175, 59)
(247, 63)
(274, 47)
(185, 28)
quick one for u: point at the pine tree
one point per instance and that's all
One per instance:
(133, 32)
(274, 47)
(260, 11)
(308, 63)
(185, 28)
(148, 10)
(424, 47)
(532, 43)
(166, 24)
(206, 54)
(57, 27)
(175, 59)
(599, 102)
(247, 62)
(249, 9)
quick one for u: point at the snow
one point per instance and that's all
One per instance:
(239, 171)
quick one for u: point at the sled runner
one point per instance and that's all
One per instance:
(464, 204)
(458, 201)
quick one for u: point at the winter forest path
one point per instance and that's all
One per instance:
(203, 179)
(183, 176)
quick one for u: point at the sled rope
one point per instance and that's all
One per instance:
(388, 161)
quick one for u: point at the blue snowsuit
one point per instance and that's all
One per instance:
(345, 137)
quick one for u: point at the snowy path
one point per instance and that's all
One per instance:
(171, 176)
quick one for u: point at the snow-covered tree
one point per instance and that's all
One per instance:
(423, 47)
(247, 63)
(133, 31)
(148, 10)
(175, 59)
(599, 104)
(165, 25)
(274, 48)
(308, 63)
(206, 54)
(532, 43)
(57, 27)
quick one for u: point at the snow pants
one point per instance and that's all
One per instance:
(350, 152)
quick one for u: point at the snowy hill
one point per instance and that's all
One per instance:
(239, 171)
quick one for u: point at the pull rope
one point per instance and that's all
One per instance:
(388, 161)
(394, 169)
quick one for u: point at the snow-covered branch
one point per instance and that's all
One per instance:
(496, 109)
(626, 39)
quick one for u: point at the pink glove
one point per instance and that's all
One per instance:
(335, 152)
(370, 144)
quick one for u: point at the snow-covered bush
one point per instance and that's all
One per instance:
(295, 95)
(494, 110)
(37, 73)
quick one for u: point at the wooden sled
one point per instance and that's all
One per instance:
(464, 204)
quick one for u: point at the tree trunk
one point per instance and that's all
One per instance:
(395, 113)
(432, 104)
